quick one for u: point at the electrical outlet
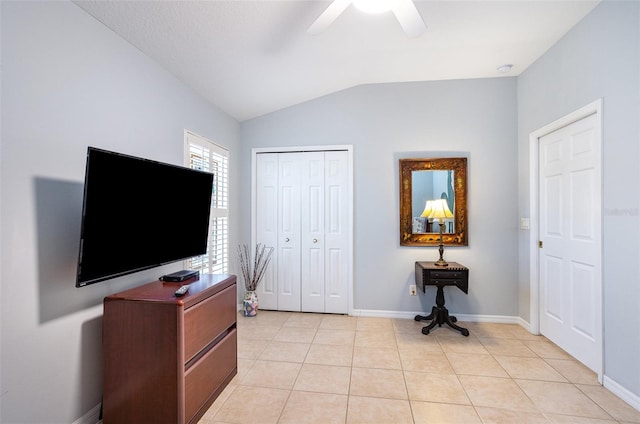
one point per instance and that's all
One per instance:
(412, 290)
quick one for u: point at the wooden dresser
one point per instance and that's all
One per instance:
(167, 358)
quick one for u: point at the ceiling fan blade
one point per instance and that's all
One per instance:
(327, 17)
(409, 17)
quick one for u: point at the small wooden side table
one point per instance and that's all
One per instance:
(429, 274)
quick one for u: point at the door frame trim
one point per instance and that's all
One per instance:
(594, 107)
(350, 202)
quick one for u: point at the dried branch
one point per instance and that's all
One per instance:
(253, 270)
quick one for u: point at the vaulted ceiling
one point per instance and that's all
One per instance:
(254, 57)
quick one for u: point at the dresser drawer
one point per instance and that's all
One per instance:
(447, 281)
(446, 274)
(206, 320)
(203, 381)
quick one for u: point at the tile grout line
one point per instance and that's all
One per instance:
(404, 376)
(398, 330)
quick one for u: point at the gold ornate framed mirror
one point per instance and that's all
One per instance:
(423, 180)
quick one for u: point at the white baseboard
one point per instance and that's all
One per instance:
(91, 417)
(620, 391)
(524, 324)
(501, 319)
(375, 313)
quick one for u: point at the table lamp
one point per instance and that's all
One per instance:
(440, 211)
(428, 208)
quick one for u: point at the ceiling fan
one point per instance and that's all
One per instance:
(404, 10)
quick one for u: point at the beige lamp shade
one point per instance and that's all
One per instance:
(440, 210)
(428, 208)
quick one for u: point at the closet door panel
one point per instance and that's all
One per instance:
(313, 221)
(337, 232)
(267, 224)
(335, 280)
(289, 241)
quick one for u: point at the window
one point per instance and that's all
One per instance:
(204, 155)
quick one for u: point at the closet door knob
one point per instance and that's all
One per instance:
(315, 240)
(286, 240)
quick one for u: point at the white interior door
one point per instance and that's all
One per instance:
(289, 231)
(337, 232)
(267, 225)
(570, 254)
(325, 232)
(313, 231)
(303, 210)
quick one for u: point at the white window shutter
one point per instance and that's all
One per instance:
(204, 155)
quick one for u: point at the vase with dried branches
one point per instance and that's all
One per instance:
(253, 267)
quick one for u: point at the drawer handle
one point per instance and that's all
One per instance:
(315, 240)
(286, 240)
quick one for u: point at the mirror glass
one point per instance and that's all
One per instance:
(426, 186)
(423, 180)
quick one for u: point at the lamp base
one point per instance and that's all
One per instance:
(441, 261)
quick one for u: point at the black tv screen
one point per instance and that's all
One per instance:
(138, 214)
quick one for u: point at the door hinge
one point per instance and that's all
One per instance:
(540, 244)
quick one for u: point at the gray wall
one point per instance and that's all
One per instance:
(599, 58)
(472, 118)
(69, 82)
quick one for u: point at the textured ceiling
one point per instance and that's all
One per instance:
(254, 57)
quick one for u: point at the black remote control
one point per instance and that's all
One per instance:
(181, 291)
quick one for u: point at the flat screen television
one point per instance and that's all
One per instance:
(139, 214)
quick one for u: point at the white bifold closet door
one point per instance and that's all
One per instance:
(302, 213)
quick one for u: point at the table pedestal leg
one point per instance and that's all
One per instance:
(440, 315)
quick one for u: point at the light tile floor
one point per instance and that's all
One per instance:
(316, 368)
